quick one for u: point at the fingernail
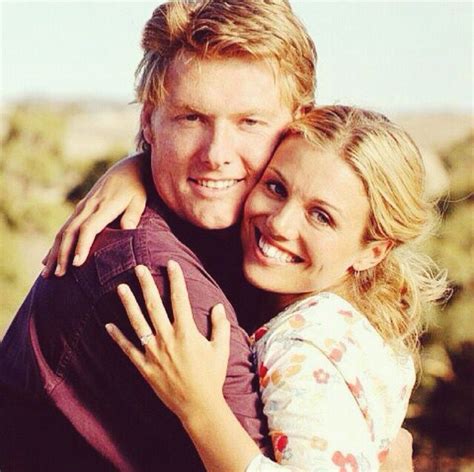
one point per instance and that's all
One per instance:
(77, 260)
(58, 271)
(109, 327)
(128, 224)
(121, 289)
(44, 272)
(139, 270)
(172, 264)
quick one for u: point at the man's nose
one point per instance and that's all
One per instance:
(219, 147)
(283, 223)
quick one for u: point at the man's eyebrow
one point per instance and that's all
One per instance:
(315, 200)
(182, 105)
(256, 112)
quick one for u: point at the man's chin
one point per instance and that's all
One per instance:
(213, 220)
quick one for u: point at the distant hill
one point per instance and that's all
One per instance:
(436, 131)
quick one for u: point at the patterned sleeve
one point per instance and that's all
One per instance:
(314, 421)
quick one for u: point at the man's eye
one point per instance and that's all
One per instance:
(276, 187)
(191, 117)
(250, 121)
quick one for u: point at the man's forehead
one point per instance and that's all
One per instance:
(246, 85)
(187, 63)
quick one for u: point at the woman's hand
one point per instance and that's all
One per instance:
(400, 455)
(119, 190)
(184, 369)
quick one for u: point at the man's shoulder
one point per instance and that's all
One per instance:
(116, 252)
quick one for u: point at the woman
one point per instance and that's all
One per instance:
(328, 232)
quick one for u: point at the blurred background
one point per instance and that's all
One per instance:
(67, 114)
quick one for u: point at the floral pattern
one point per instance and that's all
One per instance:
(335, 394)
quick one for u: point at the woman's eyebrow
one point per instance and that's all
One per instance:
(318, 201)
(276, 171)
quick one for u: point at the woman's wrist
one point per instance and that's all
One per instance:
(220, 439)
(196, 415)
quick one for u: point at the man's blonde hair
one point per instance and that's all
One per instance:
(265, 30)
(394, 293)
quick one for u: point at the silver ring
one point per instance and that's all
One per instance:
(145, 339)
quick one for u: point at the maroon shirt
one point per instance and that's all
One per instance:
(70, 400)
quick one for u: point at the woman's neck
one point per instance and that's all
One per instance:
(277, 302)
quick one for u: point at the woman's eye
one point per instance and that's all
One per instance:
(321, 217)
(276, 187)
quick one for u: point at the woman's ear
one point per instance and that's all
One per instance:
(373, 253)
(146, 118)
(302, 110)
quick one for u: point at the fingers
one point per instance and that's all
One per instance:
(134, 312)
(45, 258)
(400, 453)
(92, 226)
(133, 213)
(66, 247)
(46, 272)
(406, 435)
(55, 264)
(153, 302)
(183, 315)
(220, 335)
(58, 256)
(134, 354)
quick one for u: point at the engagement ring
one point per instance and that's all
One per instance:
(146, 338)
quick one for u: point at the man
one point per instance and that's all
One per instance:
(218, 82)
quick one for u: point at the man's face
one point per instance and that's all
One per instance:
(212, 136)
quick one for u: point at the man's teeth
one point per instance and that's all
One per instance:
(217, 184)
(273, 252)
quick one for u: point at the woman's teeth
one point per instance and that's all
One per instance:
(274, 253)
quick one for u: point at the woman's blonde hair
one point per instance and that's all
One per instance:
(394, 293)
(265, 30)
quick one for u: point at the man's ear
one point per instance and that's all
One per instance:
(146, 117)
(373, 253)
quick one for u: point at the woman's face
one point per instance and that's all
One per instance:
(304, 222)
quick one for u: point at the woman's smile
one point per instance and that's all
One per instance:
(304, 222)
(273, 252)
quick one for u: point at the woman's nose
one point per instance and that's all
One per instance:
(283, 222)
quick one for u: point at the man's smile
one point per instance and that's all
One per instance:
(217, 184)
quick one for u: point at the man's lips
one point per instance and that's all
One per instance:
(216, 184)
(271, 251)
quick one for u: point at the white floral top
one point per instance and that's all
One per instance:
(335, 394)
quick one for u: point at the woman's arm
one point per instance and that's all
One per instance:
(314, 420)
(119, 190)
(186, 370)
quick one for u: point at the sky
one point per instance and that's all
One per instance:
(392, 56)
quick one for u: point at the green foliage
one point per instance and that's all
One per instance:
(35, 177)
(91, 175)
(453, 248)
(12, 285)
(32, 149)
(459, 161)
(443, 399)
